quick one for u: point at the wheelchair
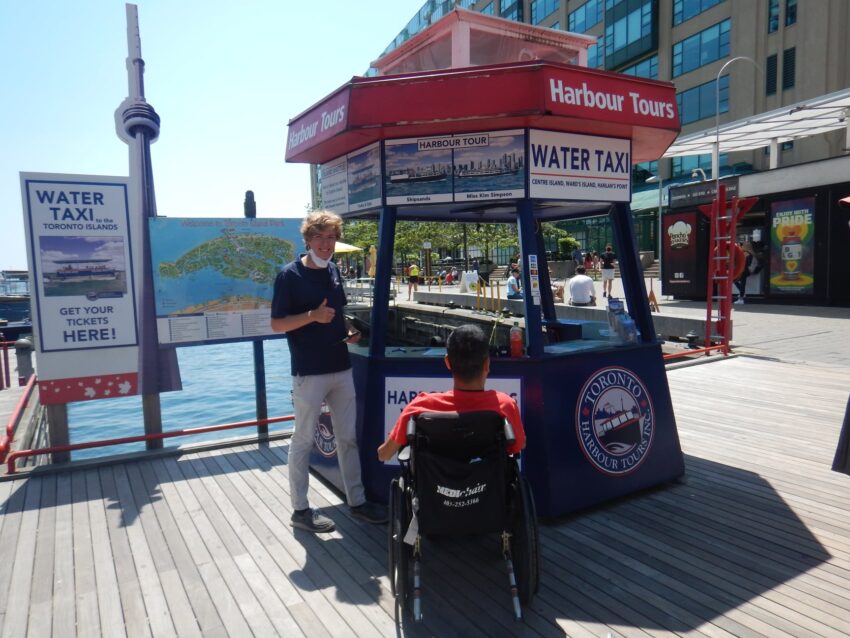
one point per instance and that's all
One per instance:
(457, 479)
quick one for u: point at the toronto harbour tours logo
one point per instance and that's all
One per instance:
(615, 421)
(324, 437)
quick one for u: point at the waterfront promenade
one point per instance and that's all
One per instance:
(786, 332)
(755, 541)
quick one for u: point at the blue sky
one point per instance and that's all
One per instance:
(225, 77)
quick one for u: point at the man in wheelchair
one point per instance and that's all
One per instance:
(460, 475)
(468, 358)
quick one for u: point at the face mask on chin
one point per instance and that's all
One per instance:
(321, 263)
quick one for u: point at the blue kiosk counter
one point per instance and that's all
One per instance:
(456, 146)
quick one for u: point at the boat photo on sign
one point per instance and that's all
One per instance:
(489, 166)
(419, 170)
(101, 273)
(364, 178)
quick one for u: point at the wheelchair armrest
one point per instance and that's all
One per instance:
(510, 437)
(404, 454)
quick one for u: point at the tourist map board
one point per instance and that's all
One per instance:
(214, 277)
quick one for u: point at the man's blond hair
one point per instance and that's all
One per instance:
(320, 221)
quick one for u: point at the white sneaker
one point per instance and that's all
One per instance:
(740, 300)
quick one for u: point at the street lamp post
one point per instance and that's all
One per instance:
(652, 179)
(715, 163)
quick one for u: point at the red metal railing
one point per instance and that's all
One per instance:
(10, 461)
(685, 353)
(17, 413)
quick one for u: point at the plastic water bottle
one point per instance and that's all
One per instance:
(517, 344)
(629, 329)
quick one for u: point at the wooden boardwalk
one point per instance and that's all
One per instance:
(754, 542)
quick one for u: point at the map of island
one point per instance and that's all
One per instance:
(236, 256)
(214, 278)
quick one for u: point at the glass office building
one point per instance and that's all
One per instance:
(800, 49)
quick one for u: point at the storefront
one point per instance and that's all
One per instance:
(797, 228)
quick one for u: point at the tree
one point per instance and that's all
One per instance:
(445, 238)
(361, 233)
(488, 236)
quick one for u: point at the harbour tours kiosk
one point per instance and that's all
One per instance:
(519, 142)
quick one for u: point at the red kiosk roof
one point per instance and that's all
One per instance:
(534, 94)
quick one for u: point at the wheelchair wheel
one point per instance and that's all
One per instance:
(391, 533)
(525, 544)
(400, 553)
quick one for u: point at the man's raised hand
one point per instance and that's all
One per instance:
(323, 314)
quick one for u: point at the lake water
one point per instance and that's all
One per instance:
(218, 387)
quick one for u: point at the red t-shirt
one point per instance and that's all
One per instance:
(462, 401)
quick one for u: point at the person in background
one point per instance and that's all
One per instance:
(412, 279)
(752, 266)
(596, 263)
(514, 284)
(468, 358)
(577, 256)
(307, 306)
(582, 289)
(558, 292)
(608, 259)
(557, 289)
(588, 261)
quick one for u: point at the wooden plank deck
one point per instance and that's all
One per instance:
(754, 542)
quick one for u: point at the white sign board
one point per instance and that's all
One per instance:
(79, 242)
(79, 250)
(579, 167)
(335, 185)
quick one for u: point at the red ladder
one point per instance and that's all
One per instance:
(722, 264)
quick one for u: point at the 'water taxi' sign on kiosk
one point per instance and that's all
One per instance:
(581, 167)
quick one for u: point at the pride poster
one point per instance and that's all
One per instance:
(792, 258)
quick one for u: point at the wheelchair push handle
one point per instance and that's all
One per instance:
(411, 428)
(510, 437)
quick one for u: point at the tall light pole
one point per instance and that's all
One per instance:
(715, 164)
(652, 179)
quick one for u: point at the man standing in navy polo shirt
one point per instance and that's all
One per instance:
(307, 305)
